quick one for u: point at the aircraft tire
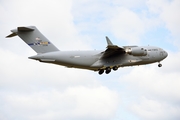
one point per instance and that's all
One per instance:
(101, 71)
(159, 65)
(115, 68)
(108, 70)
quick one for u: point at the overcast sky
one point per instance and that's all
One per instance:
(30, 90)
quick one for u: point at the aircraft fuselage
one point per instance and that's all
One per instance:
(103, 60)
(91, 59)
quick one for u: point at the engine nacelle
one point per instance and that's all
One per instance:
(136, 51)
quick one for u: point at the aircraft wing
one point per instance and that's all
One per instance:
(112, 50)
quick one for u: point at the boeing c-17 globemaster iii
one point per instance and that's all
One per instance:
(97, 60)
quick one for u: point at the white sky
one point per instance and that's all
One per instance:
(32, 90)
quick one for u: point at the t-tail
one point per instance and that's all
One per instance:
(34, 38)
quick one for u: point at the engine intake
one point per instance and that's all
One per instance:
(136, 51)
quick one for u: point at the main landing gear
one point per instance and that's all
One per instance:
(115, 68)
(107, 70)
(101, 71)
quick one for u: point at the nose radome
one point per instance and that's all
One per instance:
(166, 54)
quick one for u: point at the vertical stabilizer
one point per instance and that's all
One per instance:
(34, 38)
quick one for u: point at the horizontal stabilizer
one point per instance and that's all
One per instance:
(20, 29)
(25, 29)
(11, 35)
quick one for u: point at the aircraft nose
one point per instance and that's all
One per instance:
(166, 54)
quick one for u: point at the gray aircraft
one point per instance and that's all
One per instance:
(99, 60)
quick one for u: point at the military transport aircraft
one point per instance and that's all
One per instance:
(99, 60)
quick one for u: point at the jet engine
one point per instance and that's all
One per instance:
(136, 51)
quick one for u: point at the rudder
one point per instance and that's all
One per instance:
(34, 38)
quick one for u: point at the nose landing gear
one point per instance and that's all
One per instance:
(159, 65)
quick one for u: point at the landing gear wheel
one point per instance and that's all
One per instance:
(101, 71)
(108, 70)
(159, 65)
(115, 68)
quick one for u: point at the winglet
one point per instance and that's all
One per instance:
(111, 45)
(112, 49)
(108, 41)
